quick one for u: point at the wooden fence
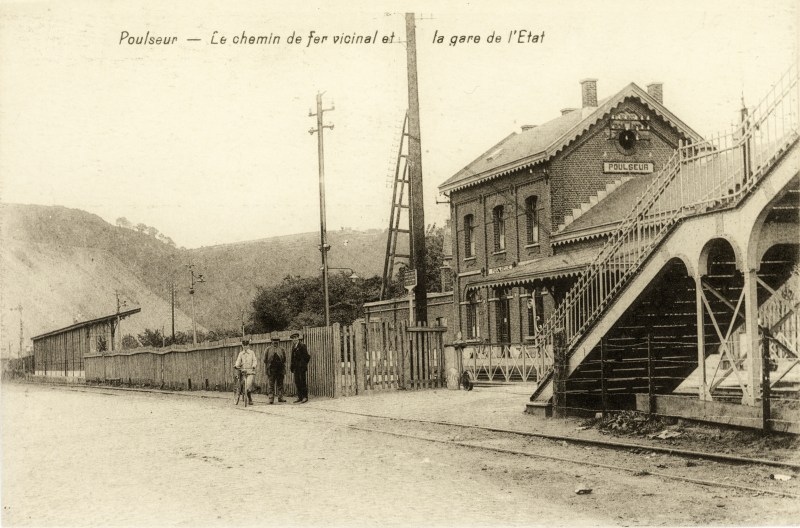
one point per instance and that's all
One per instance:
(209, 366)
(345, 361)
(384, 356)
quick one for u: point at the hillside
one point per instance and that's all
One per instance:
(59, 285)
(234, 271)
(75, 260)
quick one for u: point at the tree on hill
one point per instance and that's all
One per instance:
(165, 239)
(434, 255)
(124, 223)
(128, 342)
(299, 301)
(434, 252)
(140, 227)
(151, 338)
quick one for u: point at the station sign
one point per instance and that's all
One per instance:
(498, 269)
(627, 167)
(410, 279)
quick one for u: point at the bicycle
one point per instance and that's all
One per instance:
(239, 389)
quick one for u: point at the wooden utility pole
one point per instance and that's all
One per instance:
(172, 291)
(323, 235)
(417, 212)
(18, 308)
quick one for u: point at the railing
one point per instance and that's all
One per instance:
(711, 174)
(505, 363)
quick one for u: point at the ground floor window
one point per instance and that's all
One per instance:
(503, 315)
(473, 329)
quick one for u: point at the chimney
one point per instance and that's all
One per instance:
(527, 127)
(565, 111)
(589, 92)
(656, 91)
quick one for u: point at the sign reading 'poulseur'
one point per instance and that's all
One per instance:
(628, 166)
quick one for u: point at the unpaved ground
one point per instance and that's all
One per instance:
(80, 457)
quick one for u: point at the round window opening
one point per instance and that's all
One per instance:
(627, 139)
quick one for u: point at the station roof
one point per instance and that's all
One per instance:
(88, 323)
(552, 267)
(541, 143)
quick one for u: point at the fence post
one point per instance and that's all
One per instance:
(408, 351)
(359, 353)
(559, 375)
(336, 360)
(603, 377)
(765, 384)
(402, 350)
(651, 397)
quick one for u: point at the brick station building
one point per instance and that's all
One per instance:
(530, 213)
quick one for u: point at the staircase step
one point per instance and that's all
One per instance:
(541, 409)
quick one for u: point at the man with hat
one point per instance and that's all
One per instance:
(299, 367)
(246, 362)
(275, 360)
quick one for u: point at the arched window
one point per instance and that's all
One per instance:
(532, 220)
(469, 236)
(499, 228)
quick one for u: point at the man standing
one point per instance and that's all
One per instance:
(247, 362)
(299, 367)
(275, 360)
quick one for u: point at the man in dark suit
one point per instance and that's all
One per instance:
(275, 361)
(299, 367)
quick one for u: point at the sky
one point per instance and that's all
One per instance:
(210, 143)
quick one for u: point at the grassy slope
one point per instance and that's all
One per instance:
(63, 264)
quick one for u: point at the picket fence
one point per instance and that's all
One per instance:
(345, 360)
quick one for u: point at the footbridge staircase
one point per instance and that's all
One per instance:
(710, 247)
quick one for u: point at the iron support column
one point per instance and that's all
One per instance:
(702, 384)
(752, 342)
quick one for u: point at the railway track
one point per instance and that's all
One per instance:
(441, 432)
(442, 437)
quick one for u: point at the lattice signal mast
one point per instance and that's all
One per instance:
(401, 200)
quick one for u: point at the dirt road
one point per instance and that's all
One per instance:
(101, 457)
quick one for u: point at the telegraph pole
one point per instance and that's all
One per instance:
(191, 294)
(172, 291)
(323, 236)
(116, 335)
(18, 308)
(417, 212)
